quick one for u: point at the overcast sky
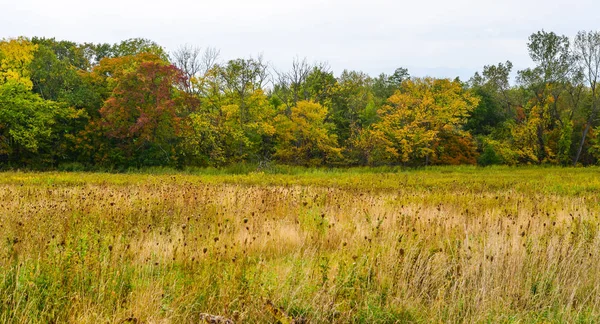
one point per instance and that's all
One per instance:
(438, 38)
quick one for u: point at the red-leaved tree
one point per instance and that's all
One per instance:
(142, 115)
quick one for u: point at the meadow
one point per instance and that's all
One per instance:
(451, 244)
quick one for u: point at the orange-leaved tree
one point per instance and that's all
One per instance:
(142, 115)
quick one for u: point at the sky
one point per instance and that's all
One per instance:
(437, 38)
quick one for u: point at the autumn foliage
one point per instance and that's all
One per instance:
(132, 104)
(142, 111)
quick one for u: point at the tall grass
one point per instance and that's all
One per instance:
(432, 245)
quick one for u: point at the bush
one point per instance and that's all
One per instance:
(489, 156)
(71, 167)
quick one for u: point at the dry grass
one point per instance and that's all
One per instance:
(448, 245)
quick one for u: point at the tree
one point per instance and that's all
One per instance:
(245, 104)
(204, 140)
(291, 87)
(31, 128)
(94, 53)
(194, 63)
(187, 59)
(53, 78)
(134, 46)
(496, 80)
(320, 85)
(28, 124)
(385, 85)
(351, 97)
(71, 53)
(24, 118)
(305, 138)
(415, 116)
(553, 59)
(15, 57)
(141, 115)
(587, 49)
(454, 148)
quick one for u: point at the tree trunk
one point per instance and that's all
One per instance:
(541, 147)
(585, 132)
(540, 131)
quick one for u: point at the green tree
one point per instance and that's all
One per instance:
(587, 48)
(135, 46)
(29, 125)
(350, 99)
(495, 106)
(53, 78)
(546, 81)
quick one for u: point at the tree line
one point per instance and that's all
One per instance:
(132, 104)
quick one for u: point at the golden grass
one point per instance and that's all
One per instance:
(444, 245)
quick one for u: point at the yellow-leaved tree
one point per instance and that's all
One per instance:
(15, 57)
(414, 117)
(305, 137)
(30, 126)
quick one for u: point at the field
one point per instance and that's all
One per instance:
(437, 245)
